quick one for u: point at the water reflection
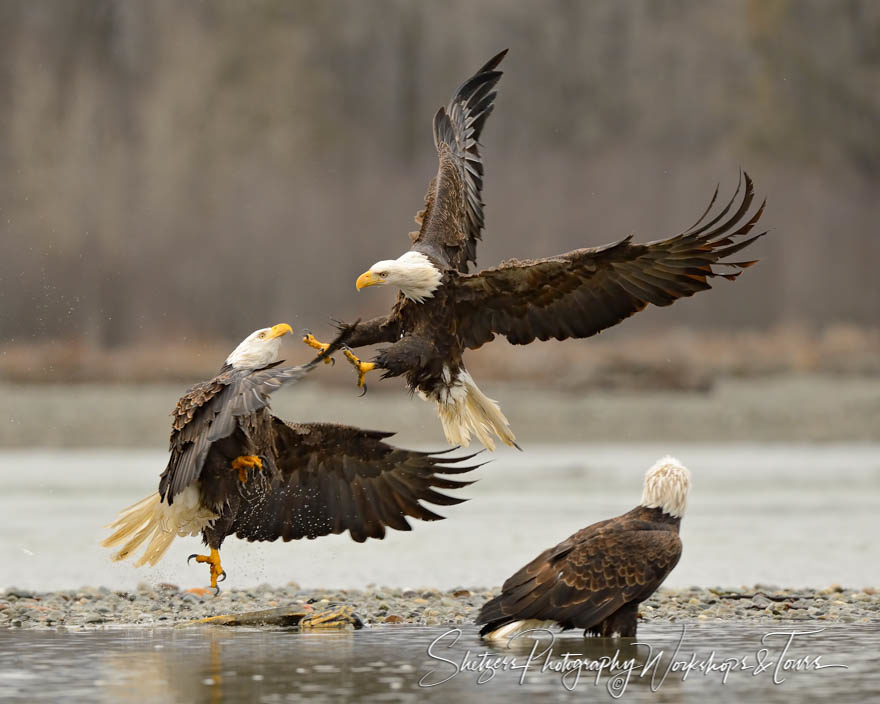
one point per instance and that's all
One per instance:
(211, 664)
(608, 665)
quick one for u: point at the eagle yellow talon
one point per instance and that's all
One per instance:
(362, 367)
(312, 342)
(245, 462)
(217, 570)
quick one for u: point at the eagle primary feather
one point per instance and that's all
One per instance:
(583, 292)
(452, 220)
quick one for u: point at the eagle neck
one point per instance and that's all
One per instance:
(656, 515)
(418, 277)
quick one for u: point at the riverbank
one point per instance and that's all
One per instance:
(167, 605)
(805, 408)
(672, 358)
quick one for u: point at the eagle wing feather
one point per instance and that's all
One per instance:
(335, 478)
(585, 291)
(210, 411)
(452, 220)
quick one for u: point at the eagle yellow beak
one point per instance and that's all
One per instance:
(368, 278)
(279, 330)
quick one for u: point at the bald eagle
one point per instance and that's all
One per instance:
(237, 469)
(442, 310)
(596, 579)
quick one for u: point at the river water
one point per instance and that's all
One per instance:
(789, 515)
(387, 664)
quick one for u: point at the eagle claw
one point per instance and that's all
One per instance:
(243, 463)
(361, 367)
(312, 342)
(216, 570)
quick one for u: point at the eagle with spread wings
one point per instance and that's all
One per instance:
(236, 469)
(443, 309)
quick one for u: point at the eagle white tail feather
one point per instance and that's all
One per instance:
(464, 410)
(152, 521)
(514, 629)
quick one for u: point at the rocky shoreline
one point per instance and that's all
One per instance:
(166, 605)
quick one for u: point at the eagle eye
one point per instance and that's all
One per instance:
(262, 335)
(383, 274)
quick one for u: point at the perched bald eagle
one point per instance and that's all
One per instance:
(442, 310)
(237, 469)
(596, 579)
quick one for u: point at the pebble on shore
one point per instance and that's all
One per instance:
(168, 605)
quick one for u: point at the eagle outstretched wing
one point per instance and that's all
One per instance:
(452, 219)
(335, 478)
(588, 577)
(588, 290)
(209, 411)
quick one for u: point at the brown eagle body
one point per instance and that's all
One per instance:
(424, 342)
(318, 479)
(443, 310)
(235, 469)
(218, 420)
(594, 580)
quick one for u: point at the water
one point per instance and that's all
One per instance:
(387, 663)
(791, 515)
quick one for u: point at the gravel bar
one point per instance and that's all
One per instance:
(167, 605)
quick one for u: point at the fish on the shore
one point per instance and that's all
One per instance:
(302, 616)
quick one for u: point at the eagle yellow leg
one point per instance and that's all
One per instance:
(310, 340)
(362, 367)
(245, 462)
(217, 570)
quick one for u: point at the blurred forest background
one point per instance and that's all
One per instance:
(174, 175)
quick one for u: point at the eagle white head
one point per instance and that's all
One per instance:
(259, 348)
(666, 486)
(413, 273)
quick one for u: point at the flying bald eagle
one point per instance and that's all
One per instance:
(442, 310)
(237, 469)
(596, 579)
